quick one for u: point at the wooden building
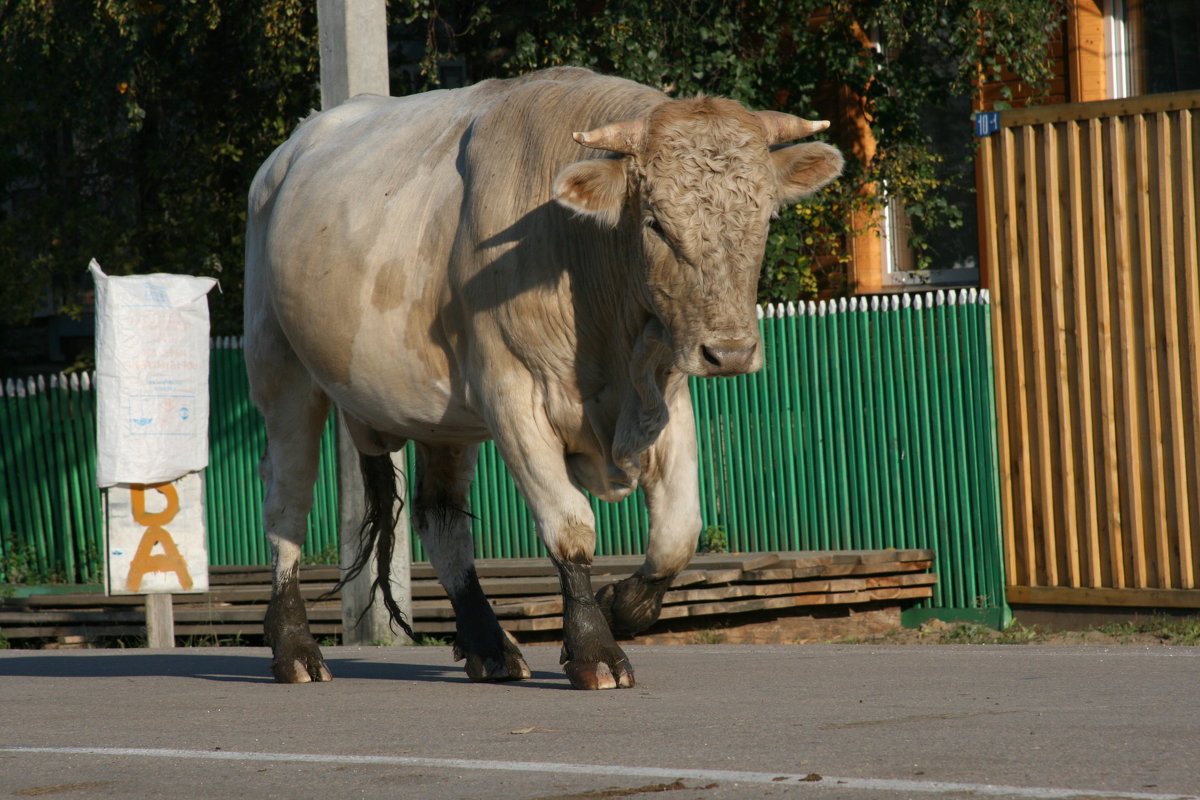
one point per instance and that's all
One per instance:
(1088, 241)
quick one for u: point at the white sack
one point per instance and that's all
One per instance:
(151, 377)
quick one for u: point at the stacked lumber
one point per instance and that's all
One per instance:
(523, 592)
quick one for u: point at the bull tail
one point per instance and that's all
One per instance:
(377, 534)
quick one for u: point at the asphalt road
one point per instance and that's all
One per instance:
(721, 721)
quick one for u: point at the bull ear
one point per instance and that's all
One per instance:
(594, 189)
(804, 168)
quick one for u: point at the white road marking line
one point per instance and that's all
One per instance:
(774, 778)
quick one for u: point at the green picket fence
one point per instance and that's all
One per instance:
(871, 426)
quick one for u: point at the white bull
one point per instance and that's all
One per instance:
(459, 265)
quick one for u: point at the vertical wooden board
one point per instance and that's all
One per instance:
(1099, 137)
(1188, 167)
(1065, 534)
(1082, 256)
(1025, 571)
(1173, 361)
(1036, 335)
(1129, 422)
(1155, 557)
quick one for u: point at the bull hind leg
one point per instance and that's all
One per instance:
(443, 521)
(295, 411)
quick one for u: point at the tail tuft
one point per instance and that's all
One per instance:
(377, 535)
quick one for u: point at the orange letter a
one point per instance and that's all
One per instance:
(170, 559)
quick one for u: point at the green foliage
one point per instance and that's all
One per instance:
(328, 556)
(809, 57)
(133, 127)
(714, 540)
(1168, 630)
(975, 633)
(429, 640)
(132, 130)
(20, 565)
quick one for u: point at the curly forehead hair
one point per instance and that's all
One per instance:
(707, 173)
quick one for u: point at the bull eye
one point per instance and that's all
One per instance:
(653, 224)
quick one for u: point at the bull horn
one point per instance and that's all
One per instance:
(782, 127)
(626, 137)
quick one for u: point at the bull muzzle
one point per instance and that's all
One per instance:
(726, 357)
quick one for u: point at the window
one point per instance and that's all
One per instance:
(952, 249)
(1152, 46)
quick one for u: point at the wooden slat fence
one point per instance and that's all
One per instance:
(1091, 244)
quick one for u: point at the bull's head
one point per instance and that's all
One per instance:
(700, 180)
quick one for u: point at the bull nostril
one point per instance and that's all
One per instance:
(732, 357)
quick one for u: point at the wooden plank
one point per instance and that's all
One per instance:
(92, 599)
(773, 574)
(1124, 107)
(1088, 456)
(27, 618)
(718, 576)
(1174, 447)
(87, 631)
(1106, 384)
(1067, 534)
(225, 576)
(804, 558)
(1120, 598)
(1035, 344)
(1188, 165)
(1131, 399)
(527, 607)
(740, 561)
(1015, 450)
(1144, 379)
(505, 587)
(1158, 555)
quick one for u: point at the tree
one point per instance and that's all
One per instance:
(132, 129)
(874, 64)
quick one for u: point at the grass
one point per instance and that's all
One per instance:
(974, 633)
(1169, 630)
(426, 640)
(708, 636)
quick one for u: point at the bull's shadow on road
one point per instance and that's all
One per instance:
(236, 668)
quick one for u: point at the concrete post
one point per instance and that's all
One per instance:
(374, 627)
(353, 44)
(160, 621)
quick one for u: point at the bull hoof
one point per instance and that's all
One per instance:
(632, 605)
(602, 668)
(300, 663)
(599, 675)
(503, 664)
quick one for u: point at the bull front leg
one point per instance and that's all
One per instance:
(672, 491)
(565, 523)
(590, 656)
